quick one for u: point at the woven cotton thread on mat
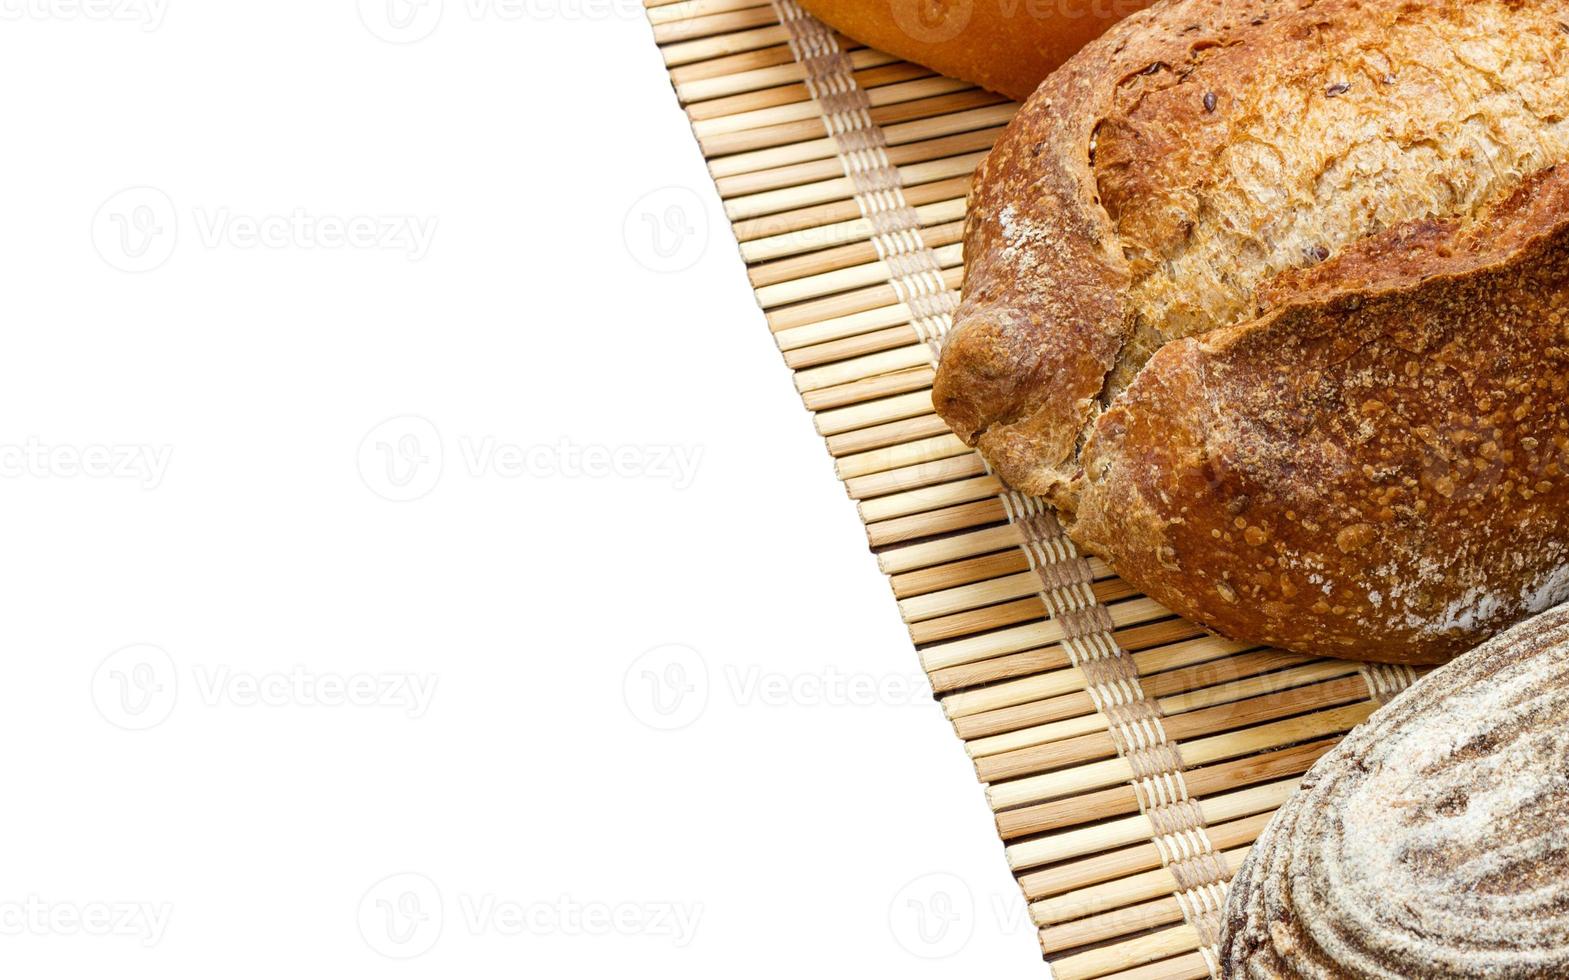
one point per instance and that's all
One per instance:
(1131, 759)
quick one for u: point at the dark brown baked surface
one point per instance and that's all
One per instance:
(1270, 300)
(1431, 842)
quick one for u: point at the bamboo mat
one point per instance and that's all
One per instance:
(1130, 757)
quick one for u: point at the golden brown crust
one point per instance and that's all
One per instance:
(1321, 191)
(1007, 46)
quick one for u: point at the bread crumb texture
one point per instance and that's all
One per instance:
(1431, 842)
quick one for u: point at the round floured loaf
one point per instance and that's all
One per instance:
(1271, 300)
(1433, 841)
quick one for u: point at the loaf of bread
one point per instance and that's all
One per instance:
(1271, 300)
(1007, 46)
(1432, 841)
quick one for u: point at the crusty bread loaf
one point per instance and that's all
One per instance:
(1271, 299)
(1432, 841)
(1006, 45)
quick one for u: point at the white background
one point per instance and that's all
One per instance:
(196, 465)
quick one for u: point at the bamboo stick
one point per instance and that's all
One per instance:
(804, 219)
(894, 481)
(685, 9)
(845, 257)
(1096, 775)
(1221, 671)
(976, 620)
(1202, 781)
(1109, 925)
(721, 67)
(719, 86)
(859, 345)
(711, 48)
(928, 498)
(843, 188)
(936, 522)
(1126, 955)
(855, 369)
(813, 336)
(894, 457)
(836, 234)
(868, 414)
(691, 28)
(970, 596)
(1188, 966)
(929, 554)
(1023, 736)
(981, 648)
(795, 91)
(766, 137)
(888, 434)
(1000, 721)
(1094, 838)
(1089, 720)
(1220, 718)
(1026, 664)
(880, 386)
(1120, 892)
(1074, 876)
(851, 277)
(884, 95)
(963, 571)
(844, 303)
